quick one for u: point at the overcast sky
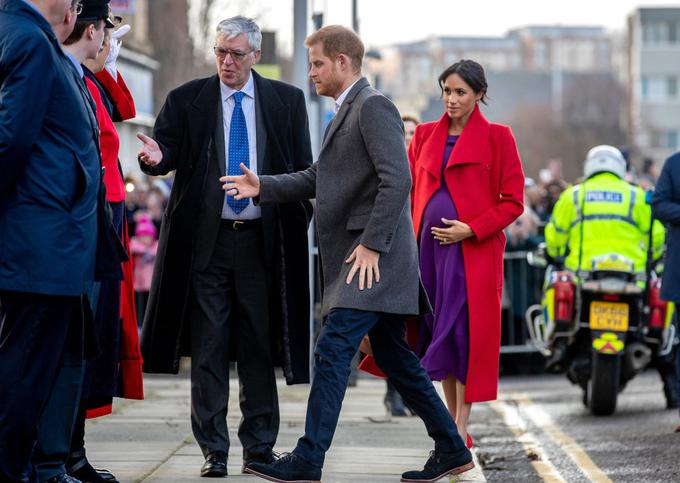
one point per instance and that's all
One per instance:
(383, 22)
(389, 21)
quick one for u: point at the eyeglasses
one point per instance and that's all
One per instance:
(77, 8)
(236, 55)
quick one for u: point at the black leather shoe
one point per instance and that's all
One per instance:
(215, 465)
(266, 458)
(106, 475)
(84, 472)
(288, 468)
(440, 465)
(63, 478)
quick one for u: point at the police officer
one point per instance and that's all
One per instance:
(615, 214)
(615, 217)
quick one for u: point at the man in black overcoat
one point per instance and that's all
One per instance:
(231, 278)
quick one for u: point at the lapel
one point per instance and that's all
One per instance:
(469, 149)
(220, 148)
(261, 134)
(203, 115)
(90, 106)
(271, 115)
(344, 109)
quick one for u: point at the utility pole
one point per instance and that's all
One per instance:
(355, 16)
(299, 51)
(300, 80)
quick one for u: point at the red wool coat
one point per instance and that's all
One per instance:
(130, 383)
(484, 176)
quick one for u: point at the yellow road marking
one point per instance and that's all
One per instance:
(564, 441)
(532, 448)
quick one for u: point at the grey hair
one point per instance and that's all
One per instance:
(234, 26)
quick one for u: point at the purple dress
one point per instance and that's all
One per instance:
(444, 336)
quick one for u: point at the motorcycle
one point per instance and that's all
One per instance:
(602, 326)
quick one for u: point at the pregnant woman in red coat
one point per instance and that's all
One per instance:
(467, 187)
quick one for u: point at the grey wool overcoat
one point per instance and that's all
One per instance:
(362, 183)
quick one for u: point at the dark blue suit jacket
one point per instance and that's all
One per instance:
(49, 161)
(666, 207)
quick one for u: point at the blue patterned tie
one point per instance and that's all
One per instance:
(238, 149)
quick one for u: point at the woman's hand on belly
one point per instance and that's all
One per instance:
(454, 232)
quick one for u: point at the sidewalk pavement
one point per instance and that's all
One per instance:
(151, 441)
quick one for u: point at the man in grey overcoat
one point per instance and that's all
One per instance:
(368, 259)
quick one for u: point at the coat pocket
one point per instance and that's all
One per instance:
(342, 131)
(357, 222)
(81, 182)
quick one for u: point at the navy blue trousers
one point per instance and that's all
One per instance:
(338, 342)
(39, 335)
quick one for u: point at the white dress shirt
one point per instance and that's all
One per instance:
(251, 211)
(341, 97)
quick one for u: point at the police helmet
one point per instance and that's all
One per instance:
(604, 158)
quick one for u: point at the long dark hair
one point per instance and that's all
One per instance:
(471, 72)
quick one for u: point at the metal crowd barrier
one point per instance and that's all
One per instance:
(521, 288)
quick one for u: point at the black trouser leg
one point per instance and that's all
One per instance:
(34, 331)
(403, 368)
(230, 300)
(258, 397)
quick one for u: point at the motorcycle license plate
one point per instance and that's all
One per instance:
(609, 316)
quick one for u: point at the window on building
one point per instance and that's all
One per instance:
(540, 55)
(672, 32)
(655, 32)
(672, 87)
(654, 89)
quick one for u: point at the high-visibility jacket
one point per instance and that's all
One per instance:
(612, 215)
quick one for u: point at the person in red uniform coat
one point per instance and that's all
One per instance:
(467, 187)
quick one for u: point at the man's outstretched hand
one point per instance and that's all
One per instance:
(246, 185)
(150, 153)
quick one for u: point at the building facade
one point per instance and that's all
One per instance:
(653, 81)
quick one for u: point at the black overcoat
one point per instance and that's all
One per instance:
(185, 130)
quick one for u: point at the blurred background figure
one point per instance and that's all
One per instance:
(135, 200)
(534, 198)
(154, 206)
(410, 123)
(523, 233)
(143, 246)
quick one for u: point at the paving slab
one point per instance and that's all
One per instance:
(150, 441)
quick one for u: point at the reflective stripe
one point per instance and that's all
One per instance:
(558, 229)
(632, 203)
(603, 216)
(577, 204)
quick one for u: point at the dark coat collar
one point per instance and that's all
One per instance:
(271, 110)
(209, 96)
